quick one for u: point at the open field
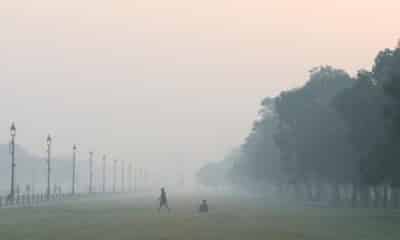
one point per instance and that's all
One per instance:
(137, 218)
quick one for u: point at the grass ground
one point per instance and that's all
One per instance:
(244, 219)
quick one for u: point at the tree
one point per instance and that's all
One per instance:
(311, 134)
(361, 107)
(332, 132)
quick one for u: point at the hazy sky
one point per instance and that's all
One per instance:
(160, 80)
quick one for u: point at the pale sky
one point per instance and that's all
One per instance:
(157, 81)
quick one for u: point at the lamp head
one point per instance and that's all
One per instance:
(13, 130)
(48, 140)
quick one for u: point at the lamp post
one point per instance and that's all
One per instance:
(135, 177)
(115, 176)
(90, 172)
(48, 140)
(142, 177)
(146, 178)
(122, 176)
(13, 131)
(130, 176)
(73, 168)
(183, 174)
(104, 173)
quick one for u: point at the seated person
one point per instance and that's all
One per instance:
(203, 207)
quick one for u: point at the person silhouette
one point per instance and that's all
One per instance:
(163, 200)
(203, 207)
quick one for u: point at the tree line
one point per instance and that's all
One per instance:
(333, 140)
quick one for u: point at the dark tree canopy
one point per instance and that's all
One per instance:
(336, 129)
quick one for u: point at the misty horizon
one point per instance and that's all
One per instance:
(157, 82)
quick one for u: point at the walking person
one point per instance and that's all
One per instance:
(163, 200)
(203, 207)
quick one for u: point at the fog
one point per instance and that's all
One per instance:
(166, 82)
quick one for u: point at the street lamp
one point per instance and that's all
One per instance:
(13, 132)
(135, 176)
(122, 176)
(104, 173)
(73, 168)
(115, 176)
(130, 176)
(48, 140)
(90, 172)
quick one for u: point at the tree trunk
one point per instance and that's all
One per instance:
(279, 188)
(291, 191)
(385, 196)
(376, 196)
(336, 194)
(297, 192)
(354, 192)
(318, 191)
(395, 197)
(309, 190)
(364, 195)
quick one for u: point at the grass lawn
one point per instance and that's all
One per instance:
(241, 219)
